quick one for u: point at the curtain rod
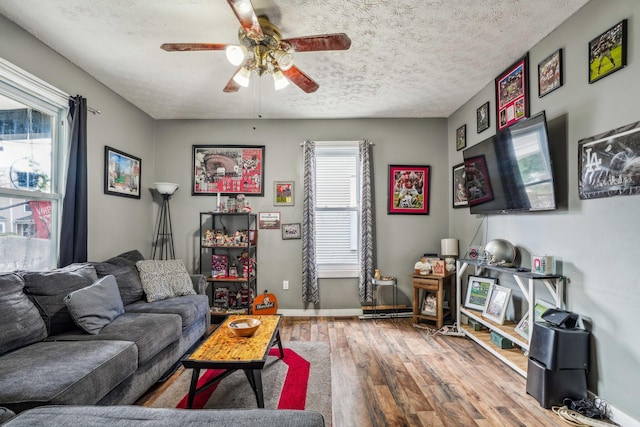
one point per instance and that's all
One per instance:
(89, 109)
(333, 142)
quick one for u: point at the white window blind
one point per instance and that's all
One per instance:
(337, 199)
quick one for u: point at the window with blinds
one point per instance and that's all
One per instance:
(337, 200)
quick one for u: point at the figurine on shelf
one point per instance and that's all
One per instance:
(423, 267)
(207, 240)
(237, 238)
(248, 264)
(244, 297)
(240, 202)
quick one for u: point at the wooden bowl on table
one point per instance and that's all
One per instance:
(244, 327)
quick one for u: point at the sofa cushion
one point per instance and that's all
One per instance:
(64, 373)
(130, 257)
(162, 279)
(20, 319)
(126, 276)
(47, 290)
(150, 332)
(190, 308)
(94, 307)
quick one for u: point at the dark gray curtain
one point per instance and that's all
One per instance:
(73, 232)
(367, 222)
(310, 290)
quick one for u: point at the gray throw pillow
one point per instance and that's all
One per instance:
(127, 278)
(162, 279)
(47, 290)
(94, 307)
(19, 317)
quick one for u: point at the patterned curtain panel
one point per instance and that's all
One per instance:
(367, 223)
(310, 291)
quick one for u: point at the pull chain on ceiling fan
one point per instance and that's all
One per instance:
(263, 50)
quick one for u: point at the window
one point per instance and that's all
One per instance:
(32, 138)
(337, 202)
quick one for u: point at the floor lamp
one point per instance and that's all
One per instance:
(163, 243)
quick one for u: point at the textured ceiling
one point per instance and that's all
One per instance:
(408, 58)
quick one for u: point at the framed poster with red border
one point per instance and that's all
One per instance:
(228, 170)
(408, 189)
(512, 94)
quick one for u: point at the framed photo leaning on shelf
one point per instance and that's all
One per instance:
(522, 328)
(477, 291)
(497, 303)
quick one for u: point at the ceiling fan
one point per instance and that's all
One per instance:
(263, 50)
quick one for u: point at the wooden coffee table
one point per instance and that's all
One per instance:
(223, 350)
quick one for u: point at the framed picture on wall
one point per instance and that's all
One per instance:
(550, 73)
(408, 189)
(122, 173)
(228, 170)
(512, 94)
(461, 137)
(459, 192)
(608, 52)
(482, 117)
(283, 193)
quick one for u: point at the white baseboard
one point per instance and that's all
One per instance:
(617, 415)
(323, 312)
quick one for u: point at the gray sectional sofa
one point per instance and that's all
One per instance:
(136, 416)
(87, 334)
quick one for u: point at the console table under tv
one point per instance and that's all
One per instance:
(515, 357)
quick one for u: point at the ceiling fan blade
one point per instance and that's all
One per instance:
(300, 79)
(247, 17)
(338, 41)
(184, 47)
(232, 85)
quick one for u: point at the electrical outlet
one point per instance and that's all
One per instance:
(285, 284)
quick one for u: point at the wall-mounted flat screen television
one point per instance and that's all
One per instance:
(512, 170)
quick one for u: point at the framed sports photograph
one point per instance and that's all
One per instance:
(477, 291)
(291, 231)
(550, 73)
(608, 52)
(479, 189)
(269, 220)
(482, 117)
(512, 94)
(497, 303)
(459, 193)
(429, 304)
(122, 173)
(219, 265)
(606, 163)
(408, 189)
(522, 328)
(283, 193)
(228, 170)
(461, 137)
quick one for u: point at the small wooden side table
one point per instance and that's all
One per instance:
(436, 284)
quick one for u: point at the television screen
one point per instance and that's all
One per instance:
(511, 171)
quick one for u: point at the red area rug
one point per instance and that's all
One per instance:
(294, 389)
(301, 380)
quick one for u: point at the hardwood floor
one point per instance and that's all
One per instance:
(389, 373)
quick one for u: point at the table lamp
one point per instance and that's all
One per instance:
(449, 250)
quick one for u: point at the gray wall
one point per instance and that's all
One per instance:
(595, 240)
(116, 223)
(401, 238)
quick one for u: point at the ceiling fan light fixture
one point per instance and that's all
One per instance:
(283, 59)
(236, 54)
(279, 80)
(242, 77)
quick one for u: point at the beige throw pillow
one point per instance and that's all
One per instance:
(162, 279)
